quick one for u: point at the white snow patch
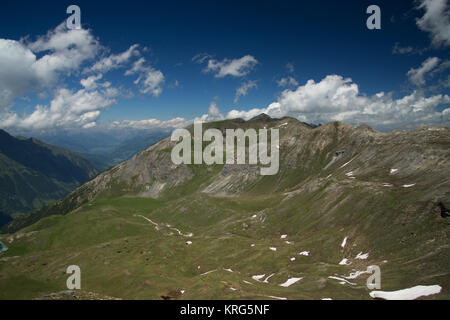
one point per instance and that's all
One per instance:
(207, 272)
(385, 184)
(252, 245)
(229, 270)
(393, 171)
(290, 282)
(182, 291)
(349, 174)
(408, 185)
(407, 294)
(356, 274)
(274, 297)
(342, 280)
(344, 242)
(190, 234)
(326, 299)
(188, 242)
(292, 259)
(273, 248)
(283, 236)
(248, 282)
(254, 216)
(304, 253)
(234, 289)
(258, 277)
(345, 164)
(266, 280)
(289, 242)
(362, 256)
(344, 262)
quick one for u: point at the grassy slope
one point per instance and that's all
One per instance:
(122, 255)
(33, 173)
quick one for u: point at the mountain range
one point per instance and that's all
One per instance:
(33, 173)
(345, 198)
(103, 148)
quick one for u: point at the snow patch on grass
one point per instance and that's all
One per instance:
(342, 280)
(345, 164)
(407, 294)
(356, 274)
(344, 242)
(266, 280)
(290, 282)
(258, 277)
(207, 272)
(362, 256)
(273, 297)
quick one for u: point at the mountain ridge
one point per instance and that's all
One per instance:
(34, 173)
(364, 134)
(345, 198)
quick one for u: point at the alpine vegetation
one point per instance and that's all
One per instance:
(235, 140)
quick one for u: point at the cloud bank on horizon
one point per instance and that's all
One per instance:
(46, 65)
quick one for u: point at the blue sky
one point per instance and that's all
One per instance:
(280, 46)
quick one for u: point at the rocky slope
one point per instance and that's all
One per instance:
(170, 228)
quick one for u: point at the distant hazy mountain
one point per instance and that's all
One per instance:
(124, 150)
(33, 173)
(103, 148)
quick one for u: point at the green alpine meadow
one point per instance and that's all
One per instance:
(345, 198)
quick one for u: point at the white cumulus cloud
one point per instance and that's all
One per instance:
(287, 81)
(42, 66)
(244, 88)
(149, 79)
(152, 123)
(417, 76)
(67, 109)
(234, 67)
(65, 51)
(435, 21)
(115, 61)
(336, 98)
